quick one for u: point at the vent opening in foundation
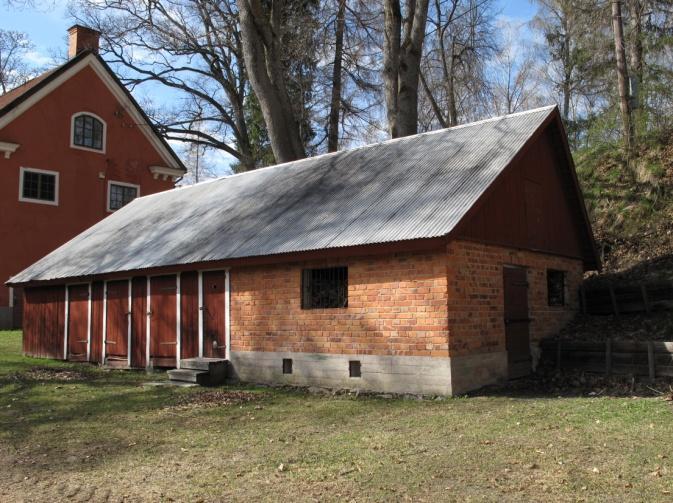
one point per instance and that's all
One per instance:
(354, 368)
(287, 365)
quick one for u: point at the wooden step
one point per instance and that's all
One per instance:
(189, 375)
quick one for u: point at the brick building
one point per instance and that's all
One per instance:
(427, 264)
(74, 148)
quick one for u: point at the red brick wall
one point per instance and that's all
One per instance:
(427, 304)
(475, 295)
(396, 306)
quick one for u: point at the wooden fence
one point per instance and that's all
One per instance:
(620, 299)
(612, 357)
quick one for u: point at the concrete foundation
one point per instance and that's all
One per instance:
(386, 374)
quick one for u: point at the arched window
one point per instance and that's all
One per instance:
(88, 131)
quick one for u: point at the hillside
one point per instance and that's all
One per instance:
(632, 215)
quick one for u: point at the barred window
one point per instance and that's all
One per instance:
(88, 132)
(324, 288)
(120, 195)
(556, 287)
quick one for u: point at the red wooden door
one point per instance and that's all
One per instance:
(189, 317)
(139, 322)
(214, 340)
(78, 322)
(163, 319)
(517, 321)
(117, 320)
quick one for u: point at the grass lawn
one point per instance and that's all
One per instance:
(75, 432)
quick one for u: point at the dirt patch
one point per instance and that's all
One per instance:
(656, 326)
(207, 399)
(50, 374)
(575, 383)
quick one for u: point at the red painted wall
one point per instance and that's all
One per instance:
(29, 231)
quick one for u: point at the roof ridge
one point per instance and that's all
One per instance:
(361, 147)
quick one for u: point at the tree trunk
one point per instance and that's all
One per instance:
(451, 88)
(622, 77)
(335, 105)
(402, 61)
(391, 60)
(636, 56)
(260, 32)
(567, 69)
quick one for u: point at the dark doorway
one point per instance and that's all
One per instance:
(517, 322)
(214, 338)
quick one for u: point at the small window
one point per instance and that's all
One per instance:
(38, 186)
(354, 368)
(324, 288)
(88, 132)
(120, 194)
(287, 365)
(556, 287)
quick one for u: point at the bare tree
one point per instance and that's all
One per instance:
(13, 68)
(461, 40)
(261, 33)
(404, 34)
(347, 96)
(628, 132)
(335, 102)
(193, 48)
(514, 77)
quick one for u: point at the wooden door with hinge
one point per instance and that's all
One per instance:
(163, 319)
(117, 321)
(214, 331)
(78, 322)
(517, 321)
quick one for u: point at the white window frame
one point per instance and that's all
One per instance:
(110, 183)
(44, 172)
(72, 133)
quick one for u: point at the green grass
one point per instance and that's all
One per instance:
(82, 433)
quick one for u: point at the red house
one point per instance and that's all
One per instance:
(74, 147)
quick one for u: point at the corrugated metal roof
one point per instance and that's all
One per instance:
(409, 188)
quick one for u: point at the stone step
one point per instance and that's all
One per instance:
(208, 364)
(190, 375)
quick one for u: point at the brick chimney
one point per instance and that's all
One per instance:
(81, 38)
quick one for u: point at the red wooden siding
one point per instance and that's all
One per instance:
(189, 314)
(116, 337)
(78, 322)
(96, 322)
(213, 314)
(163, 321)
(139, 322)
(44, 321)
(531, 207)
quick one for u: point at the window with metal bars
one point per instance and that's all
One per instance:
(324, 288)
(556, 287)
